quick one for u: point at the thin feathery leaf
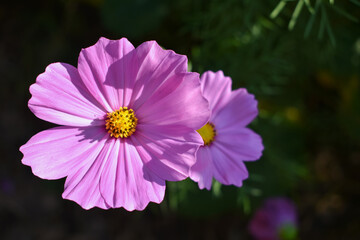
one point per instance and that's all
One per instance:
(277, 9)
(356, 2)
(308, 5)
(345, 14)
(328, 26)
(322, 24)
(312, 20)
(296, 14)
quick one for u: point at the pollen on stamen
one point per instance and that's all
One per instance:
(208, 133)
(121, 123)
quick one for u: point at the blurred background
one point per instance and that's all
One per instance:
(301, 59)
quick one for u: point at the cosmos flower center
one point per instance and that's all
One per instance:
(208, 133)
(121, 123)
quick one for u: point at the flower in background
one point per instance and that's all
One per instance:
(275, 220)
(129, 121)
(227, 141)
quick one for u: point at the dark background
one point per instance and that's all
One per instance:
(305, 77)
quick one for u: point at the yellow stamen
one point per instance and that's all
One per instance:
(121, 123)
(208, 133)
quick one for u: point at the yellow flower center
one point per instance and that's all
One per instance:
(208, 133)
(121, 123)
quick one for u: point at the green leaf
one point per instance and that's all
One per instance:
(296, 14)
(244, 200)
(277, 9)
(311, 20)
(216, 189)
(356, 2)
(308, 5)
(322, 25)
(345, 14)
(328, 27)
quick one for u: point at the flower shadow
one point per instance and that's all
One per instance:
(80, 86)
(169, 156)
(119, 73)
(93, 133)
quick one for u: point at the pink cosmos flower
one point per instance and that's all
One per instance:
(129, 117)
(227, 141)
(275, 220)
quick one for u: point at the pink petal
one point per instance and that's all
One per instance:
(54, 153)
(271, 217)
(242, 142)
(126, 182)
(153, 67)
(178, 101)
(60, 97)
(168, 151)
(202, 171)
(228, 168)
(281, 211)
(216, 89)
(262, 227)
(83, 184)
(239, 111)
(110, 85)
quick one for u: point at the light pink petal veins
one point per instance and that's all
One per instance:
(110, 85)
(168, 156)
(239, 111)
(216, 89)
(126, 182)
(243, 143)
(152, 67)
(184, 106)
(54, 153)
(59, 96)
(228, 168)
(83, 184)
(202, 171)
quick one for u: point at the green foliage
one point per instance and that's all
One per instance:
(321, 7)
(145, 16)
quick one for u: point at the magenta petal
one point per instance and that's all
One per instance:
(60, 97)
(83, 184)
(125, 182)
(107, 84)
(153, 67)
(242, 142)
(275, 214)
(216, 89)
(262, 226)
(54, 153)
(228, 168)
(183, 106)
(169, 156)
(239, 111)
(202, 171)
(281, 211)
